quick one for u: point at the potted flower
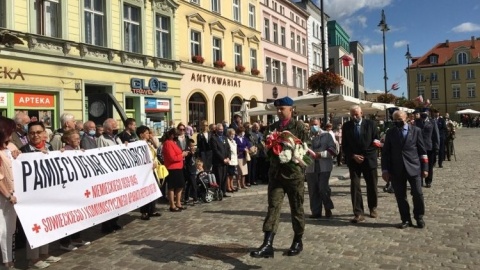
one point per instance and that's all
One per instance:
(255, 71)
(327, 81)
(239, 68)
(197, 59)
(219, 64)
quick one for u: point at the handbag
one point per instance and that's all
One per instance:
(247, 156)
(161, 171)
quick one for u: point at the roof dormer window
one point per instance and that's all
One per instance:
(433, 59)
(462, 58)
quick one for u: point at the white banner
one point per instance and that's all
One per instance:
(59, 193)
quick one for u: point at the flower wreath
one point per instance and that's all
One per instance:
(287, 148)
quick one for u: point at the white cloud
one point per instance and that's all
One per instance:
(338, 9)
(466, 27)
(373, 49)
(400, 44)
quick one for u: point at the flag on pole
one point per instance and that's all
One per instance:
(347, 60)
(395, 86)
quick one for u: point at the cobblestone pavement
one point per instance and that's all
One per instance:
(219, 235)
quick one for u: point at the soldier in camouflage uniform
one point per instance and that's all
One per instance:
(284, 179)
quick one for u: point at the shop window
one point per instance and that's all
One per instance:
(235, 106)
(95, 22)
(197, 109)
(163, 36)
(132, 29)
(49, 16)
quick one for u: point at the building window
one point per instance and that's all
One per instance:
(132, 32)
(268, 67)
(434, 93)
(162, 36)
(313, 29)
(282, 36)
(49, 15)
(252, 21)
(217, 49)
(471, 91)
(195, 2)
(275, 33)
(298, 44)
(421, 91)
(456, 91)
(462, 58)
(282, 10)
(433, 77)
(275, 71)
(267, 29)
(284, 73)
(292, 41)
(236, 10)
(235, 106)
(196, 43)
(420, 77)
(197, 109)
(238, 54)
(253, 58)
(470, 74)
(3, 13)
(216, 6)
(433, 59)
(304, 46)
(95, 22)
(455, 75)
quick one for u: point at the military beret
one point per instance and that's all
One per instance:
(285, 101)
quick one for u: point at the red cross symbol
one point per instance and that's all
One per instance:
(87, 193)
(36, 228)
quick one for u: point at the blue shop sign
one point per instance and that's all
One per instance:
(154, 85)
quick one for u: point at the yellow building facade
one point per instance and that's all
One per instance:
(220, 55)
(447, 75)
(77, 53)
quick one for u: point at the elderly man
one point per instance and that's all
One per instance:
(109, 138)
(67, 121)
(220, 157)
(318, 173)
(284, 179)
(360, 142)
(19, 137)
(404, 158)
(88, 140)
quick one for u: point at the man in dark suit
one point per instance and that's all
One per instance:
(360, 143)
(431, 139)
(220, 157)
(404, 158)
(442, 130)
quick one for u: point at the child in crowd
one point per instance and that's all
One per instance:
(191, 172)
(204, 174)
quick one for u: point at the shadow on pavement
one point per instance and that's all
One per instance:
(161, 251)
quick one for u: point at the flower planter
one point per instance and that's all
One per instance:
(219, 64)
(239, 68)
(255, 71)
(198, 59)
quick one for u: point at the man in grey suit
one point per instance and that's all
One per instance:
(431, 139)
(318, 173)
(404, 158)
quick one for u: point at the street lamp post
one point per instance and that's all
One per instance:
(324, 63)
(384, 28)
(408, 56)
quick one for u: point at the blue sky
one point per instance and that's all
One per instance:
(420, 23)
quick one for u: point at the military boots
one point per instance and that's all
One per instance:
(266, 249)
(296, 247)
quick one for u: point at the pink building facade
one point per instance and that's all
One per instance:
(284, 39)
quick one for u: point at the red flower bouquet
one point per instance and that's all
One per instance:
(287, 148)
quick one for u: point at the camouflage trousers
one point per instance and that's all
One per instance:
(294, 188)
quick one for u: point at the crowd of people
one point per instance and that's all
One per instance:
(234, 157)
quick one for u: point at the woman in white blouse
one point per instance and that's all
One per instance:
(232, 166)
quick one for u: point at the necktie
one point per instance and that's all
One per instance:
(357, 131)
